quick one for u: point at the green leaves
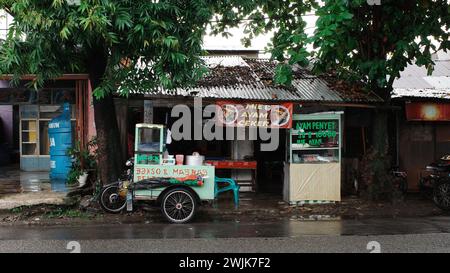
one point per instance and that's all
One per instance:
(171, 42)
(132, 44)
(123, 20)
(283, 74)
(153, 43)
(374, 43)
(64, 33)
(358, 41)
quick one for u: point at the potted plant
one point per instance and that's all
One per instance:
(84, 161)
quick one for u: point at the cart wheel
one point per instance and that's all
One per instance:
(178, 205)
(111, 201)
(441, 195)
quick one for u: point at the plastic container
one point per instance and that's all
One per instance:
(179, 159)
(60, 136)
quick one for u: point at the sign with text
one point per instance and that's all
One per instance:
(144, 171)
(316, 133)
(419, 111)
(254, 114)
(151, 171)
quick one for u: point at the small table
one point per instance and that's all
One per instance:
(238, 165)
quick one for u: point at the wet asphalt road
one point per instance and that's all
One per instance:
(393, 235)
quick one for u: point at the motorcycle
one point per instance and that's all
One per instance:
(436, 183)
(399, 181)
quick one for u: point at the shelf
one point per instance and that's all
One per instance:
(29, 143)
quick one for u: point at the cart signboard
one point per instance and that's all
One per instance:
(205, 192)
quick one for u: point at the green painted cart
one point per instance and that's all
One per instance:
(178, 189)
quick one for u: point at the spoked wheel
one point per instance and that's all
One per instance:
(178, 205)
(111, 201)
(441, 195)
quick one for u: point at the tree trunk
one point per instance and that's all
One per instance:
(108, 138)
(380, 133)
(379, 179)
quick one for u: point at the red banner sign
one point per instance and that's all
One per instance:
(420, 111)
(253, 114)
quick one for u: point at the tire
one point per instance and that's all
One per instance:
(441, 195)
(111, 201)
(179, 205)
(426, 191)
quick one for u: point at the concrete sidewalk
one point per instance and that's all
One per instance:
(19, 189)
(11, 201)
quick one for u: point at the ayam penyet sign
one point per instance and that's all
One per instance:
(254, 114)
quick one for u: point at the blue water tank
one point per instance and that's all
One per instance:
(60, 137)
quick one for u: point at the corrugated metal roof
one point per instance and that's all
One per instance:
(234, 77)
(422, 93)
(414, 82)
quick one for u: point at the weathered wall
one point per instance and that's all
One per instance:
(416, 145)
(420, 144)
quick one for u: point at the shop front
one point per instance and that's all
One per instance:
(304, 164)
(285, 141)
(424, 136)
(25, 116)
(237, 147)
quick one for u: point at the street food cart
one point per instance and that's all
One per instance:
(153, 176)
(313, 174)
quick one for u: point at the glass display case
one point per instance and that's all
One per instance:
(316, 139)
(149, 144)
(313, 173)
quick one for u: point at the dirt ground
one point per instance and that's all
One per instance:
(252, 209)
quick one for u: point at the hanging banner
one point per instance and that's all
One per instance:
(420, 111)
(254, 114)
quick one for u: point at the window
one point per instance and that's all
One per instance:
(34, 128)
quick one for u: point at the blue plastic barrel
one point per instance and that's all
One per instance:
(60, 136)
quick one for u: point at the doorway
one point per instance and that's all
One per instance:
(271, 166)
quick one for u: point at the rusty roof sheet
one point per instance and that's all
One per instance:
(234, 77)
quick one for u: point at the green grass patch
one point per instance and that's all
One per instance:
(65, 213)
